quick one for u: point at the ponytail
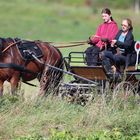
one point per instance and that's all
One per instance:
(107, 11)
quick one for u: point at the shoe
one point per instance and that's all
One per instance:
(114, 76)
(118, 76)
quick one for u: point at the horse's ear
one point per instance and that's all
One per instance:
(1, 42)
(1, 45)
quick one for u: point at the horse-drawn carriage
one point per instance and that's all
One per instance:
(89, 80)
(36, 59)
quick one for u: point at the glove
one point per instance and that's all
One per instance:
(89, 41)
(105, 40)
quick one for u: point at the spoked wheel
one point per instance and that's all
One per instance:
(137, 88)
(76, 94)
(124, 92)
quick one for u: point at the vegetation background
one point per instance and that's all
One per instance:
(51, 118)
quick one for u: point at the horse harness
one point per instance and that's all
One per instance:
(25, 48)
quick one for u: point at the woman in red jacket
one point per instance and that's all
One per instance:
(104, 34)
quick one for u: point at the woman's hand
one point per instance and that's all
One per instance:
(105, 40)
(89, 41)
(113, 43)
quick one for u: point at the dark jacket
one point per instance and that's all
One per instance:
(128, 43)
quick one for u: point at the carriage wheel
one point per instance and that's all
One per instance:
(84, 97)
(137, 88)
(123, 92)
(76, 94)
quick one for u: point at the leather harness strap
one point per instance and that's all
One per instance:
(10, 46)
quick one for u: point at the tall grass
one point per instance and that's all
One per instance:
(32, 19)
(53, 117)
(31, 118)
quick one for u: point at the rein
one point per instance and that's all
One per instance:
(61, 70)
(61, 44)
(72, 44)
(69, 44)
(10, 46)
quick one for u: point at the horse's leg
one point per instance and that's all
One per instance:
(50, 79)
(44, 83)
(1, 88)
(14, 84)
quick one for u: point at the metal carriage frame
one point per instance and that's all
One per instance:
(95, 77)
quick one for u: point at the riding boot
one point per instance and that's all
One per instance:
(107, 65)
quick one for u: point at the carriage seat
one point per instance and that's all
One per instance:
(76, 63)
(90, 72)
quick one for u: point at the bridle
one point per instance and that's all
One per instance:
(69, 44)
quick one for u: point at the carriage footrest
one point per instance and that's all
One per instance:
(78, 85)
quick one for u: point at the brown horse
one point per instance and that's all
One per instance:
(13, 66)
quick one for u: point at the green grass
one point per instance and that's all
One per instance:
(56, 119)
(25, 117)
(32, 19)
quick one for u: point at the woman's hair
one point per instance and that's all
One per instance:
(129, 23)
(107, 11)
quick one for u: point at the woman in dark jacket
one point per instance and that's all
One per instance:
(123, 43)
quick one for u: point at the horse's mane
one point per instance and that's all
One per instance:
(2, 40)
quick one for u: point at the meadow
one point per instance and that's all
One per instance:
(28, 117)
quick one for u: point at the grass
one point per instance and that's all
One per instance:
(26, 117)
(52, 117)
(33, 19)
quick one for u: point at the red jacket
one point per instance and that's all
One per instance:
(105, 30)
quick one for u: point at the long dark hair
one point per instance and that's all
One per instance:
(107, 11)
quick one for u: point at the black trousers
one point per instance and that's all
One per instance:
(92, 56)
(109, 59)
(131, 59)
